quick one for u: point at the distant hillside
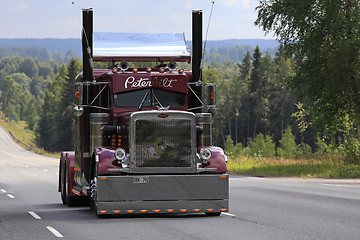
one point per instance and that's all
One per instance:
(262, 43)
(50, 44)
(219, 50)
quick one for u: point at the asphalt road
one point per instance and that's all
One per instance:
(260, 208)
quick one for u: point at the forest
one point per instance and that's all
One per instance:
(256, 114)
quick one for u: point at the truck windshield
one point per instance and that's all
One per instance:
(134, 98)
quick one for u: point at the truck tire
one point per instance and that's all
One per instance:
(62, 184)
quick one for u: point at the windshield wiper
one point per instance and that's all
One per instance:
(161, 106)
(157, 100)
(143, 100)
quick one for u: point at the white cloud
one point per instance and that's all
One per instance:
(238, 3)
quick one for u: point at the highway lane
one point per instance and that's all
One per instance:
(260, 208)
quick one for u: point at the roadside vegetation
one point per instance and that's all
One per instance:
(23, 136)
(262, 158)
(295, 112)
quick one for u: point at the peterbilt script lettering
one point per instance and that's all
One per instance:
(131, 82)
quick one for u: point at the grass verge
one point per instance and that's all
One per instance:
(25, 135)
(293, 168)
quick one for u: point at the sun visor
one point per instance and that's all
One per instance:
(146, 47)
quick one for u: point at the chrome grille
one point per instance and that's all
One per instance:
(163, 142)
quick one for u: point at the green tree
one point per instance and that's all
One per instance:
(262, 146)
(288, 147)
(55, 130)
(66, 118)
(324, 38)
(9, 65)
(281, 100)
(15, 97)
(29, 67)
(49, 130)
(245, 73)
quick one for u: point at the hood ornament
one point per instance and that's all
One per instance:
(160, 108)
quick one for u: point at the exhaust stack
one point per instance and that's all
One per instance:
(196, 56)
(87, 44)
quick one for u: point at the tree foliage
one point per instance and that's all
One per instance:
(56, 122)
(324, 38)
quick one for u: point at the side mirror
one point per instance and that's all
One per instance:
(78, 110)
(211, 97)
(78, 99)
(78, 94)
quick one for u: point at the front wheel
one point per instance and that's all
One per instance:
(62, 185)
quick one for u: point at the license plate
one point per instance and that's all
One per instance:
(141, 180)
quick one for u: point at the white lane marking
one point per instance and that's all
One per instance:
(57, 173)
(10, 196)
(228, 214)
(333, 185)
(34, 215)
(26, 166)
(3, 190)
(54, 231)
(10, 139)
(34, 168)
(45, 170)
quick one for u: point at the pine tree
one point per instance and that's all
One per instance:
(66, 119)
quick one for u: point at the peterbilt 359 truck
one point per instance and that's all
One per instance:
(143, 135)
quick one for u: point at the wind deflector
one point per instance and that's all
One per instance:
(140, 47)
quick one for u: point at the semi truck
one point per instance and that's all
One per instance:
(143, 135)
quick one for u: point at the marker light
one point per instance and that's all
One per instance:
(162, 70)
(148, 69)
(120, 154)
(205, 153)
(114, 70)
(181, 71)
(135, 70)
(77, 94)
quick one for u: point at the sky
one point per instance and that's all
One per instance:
(231, 19)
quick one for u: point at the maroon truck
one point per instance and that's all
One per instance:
(143, 135)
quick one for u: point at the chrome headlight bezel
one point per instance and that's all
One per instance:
(120, 154)
(205, 153)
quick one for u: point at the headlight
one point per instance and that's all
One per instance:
(205, 154)
(120, 154)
